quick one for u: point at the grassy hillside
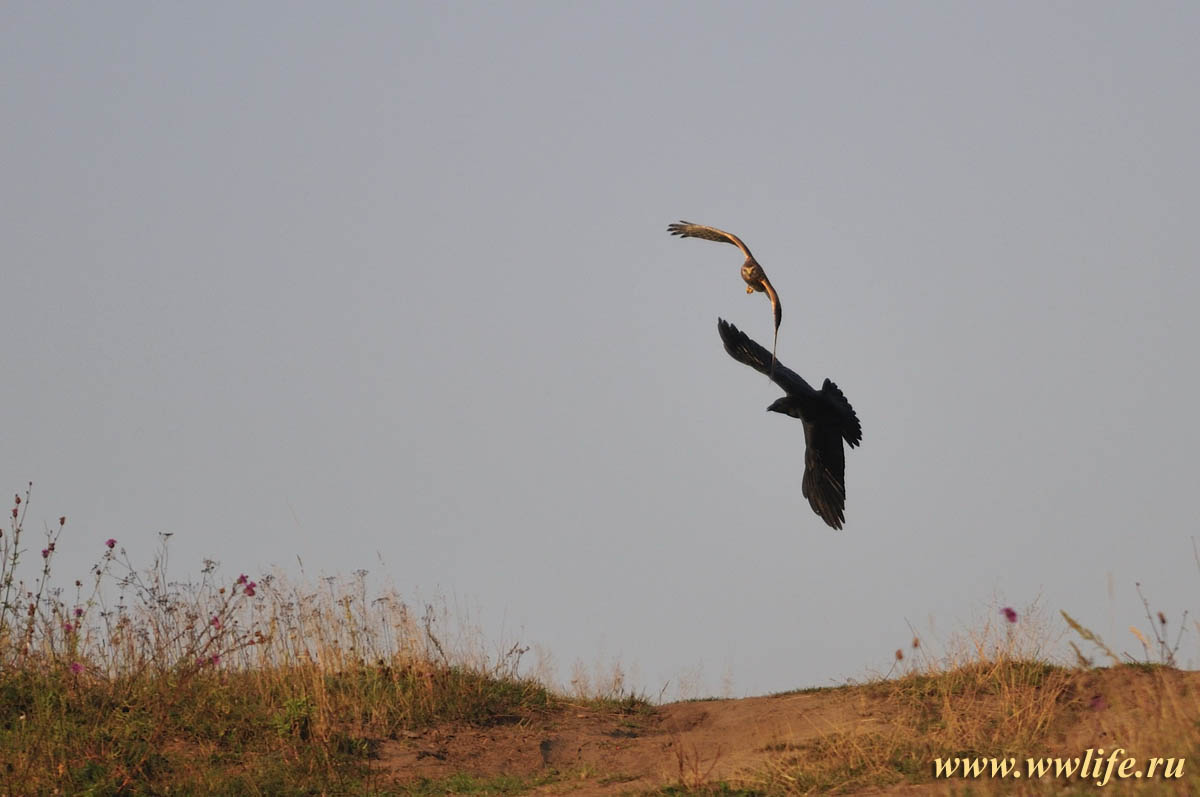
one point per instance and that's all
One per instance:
(134, 682)
(130, 682)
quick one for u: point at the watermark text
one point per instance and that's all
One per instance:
(1094, 765)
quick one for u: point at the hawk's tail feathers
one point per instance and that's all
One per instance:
(777, 311)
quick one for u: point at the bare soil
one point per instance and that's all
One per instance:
(597, 752)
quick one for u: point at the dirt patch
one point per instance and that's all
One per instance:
(584, 751)
(603, 753)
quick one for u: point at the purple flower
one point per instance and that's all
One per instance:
(76, 667)
(1009, 613)
(250, 587)
(68, 628)
(78, 612)
(110, 542)
(242, 579)
(215, 622)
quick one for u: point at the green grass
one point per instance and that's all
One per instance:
(467, 784)
(810, 690)
(720, 789)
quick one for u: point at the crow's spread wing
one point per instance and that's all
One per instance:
(743, 349)
(848, 423)
(824, 483)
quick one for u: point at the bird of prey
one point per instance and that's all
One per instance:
(752, 272)
(828, 420)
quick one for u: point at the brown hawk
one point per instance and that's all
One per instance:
(752, 272)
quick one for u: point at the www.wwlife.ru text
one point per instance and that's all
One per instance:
(1093, 765)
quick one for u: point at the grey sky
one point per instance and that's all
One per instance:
(339, 280)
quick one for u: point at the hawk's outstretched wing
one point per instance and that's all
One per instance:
(686, 229)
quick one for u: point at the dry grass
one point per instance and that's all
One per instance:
(994, 694)
(995, 707)
(134, 681)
